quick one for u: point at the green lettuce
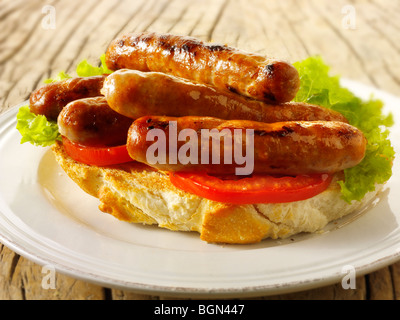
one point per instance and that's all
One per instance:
(60, 76)
(319, 87)
(85, 69)
(36, 129)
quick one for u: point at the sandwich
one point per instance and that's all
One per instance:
(202, 137)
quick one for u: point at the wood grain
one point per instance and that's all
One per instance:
(288, 29)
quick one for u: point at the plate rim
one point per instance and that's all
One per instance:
(193, 292)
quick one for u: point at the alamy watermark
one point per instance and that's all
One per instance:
(349, 278)
(49, 277)
(349, 17)
(196, 149)
(49, 20)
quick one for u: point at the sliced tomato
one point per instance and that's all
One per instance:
(98, 156)
(255, 189)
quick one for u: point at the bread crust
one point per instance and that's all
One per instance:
(136, 193)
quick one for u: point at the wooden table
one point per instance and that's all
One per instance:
(360, 39)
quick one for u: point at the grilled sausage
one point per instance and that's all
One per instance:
(50, 99)
(248, 74)
(288, 148)
(136, 94)
(92, 122)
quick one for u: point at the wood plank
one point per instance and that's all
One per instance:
(331, 292)
(118, 294)
(8, 262)
(380, 285)
(395, 276)
(106, 25)
(21, 279)
(37, 284)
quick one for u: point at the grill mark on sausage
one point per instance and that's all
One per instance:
(345, 134)
(217, 47)
(269, 69)
(231, 89)
(283, 132)
(158, 124)
(269, 96)
(186, 47)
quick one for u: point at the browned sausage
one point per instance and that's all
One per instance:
(92, 122)
(248, 74)
(51, 98)
(288, 148)
(135, 94)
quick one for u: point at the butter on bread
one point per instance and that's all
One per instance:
(136, 193)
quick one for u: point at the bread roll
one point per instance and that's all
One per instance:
(136, 193)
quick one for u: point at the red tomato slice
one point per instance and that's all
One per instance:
(255, 189)
(98, 156)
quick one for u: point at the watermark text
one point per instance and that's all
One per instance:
(225, 146)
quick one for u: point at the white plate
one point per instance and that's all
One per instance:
(45, 217)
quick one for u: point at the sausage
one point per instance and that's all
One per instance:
(228, 68)
(92, 122)
(135, 94)
(50, 99)
(286, 148)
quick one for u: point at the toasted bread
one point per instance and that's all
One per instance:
(136, 193)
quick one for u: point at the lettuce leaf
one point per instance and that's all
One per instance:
(36, 129)
(319, 87)
(85, 69)
(60, 76)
